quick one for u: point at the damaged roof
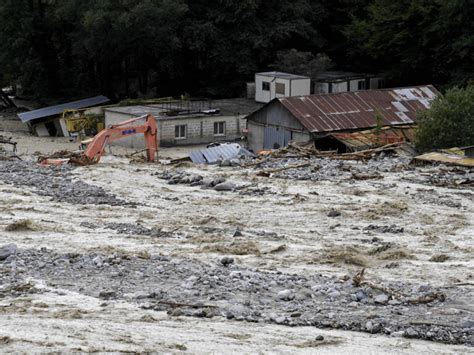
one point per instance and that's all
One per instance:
(56, 110)
(356, 110)
(367, 139)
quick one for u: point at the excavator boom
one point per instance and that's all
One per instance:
(95, 149)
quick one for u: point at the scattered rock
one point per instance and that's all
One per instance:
(319, 338)
(225, 186)
(237, 233)
(107, 294)
(411, 333)
(227, 261)
(7, 250)
(334, 213)
(286, 295)
(440, 258)
(381, 299)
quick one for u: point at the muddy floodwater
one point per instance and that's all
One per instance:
(134, 257)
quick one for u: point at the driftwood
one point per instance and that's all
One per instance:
(358, 280)
(270, 171)
(177, 305)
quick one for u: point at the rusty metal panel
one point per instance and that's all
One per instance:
(356, 110)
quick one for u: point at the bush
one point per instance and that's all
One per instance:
(449, 122)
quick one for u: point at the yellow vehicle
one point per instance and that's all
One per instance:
(77, 121)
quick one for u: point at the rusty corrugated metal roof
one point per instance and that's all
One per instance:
(368, 139)
(356, 110)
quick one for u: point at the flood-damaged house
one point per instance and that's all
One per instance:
(48, 121)
(312, 117)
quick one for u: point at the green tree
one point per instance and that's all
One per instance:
(302, 63)
(449, 122)
(416, 41)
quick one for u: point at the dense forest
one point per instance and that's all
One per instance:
(130, 48)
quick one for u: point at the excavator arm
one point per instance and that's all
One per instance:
(95, 149)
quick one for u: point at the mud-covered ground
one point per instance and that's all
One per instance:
(138, 257)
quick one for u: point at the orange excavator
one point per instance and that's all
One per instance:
(95, 149)
(96, 146)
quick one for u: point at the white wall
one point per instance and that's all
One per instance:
(298, 87)
(355, 84)
(261, 95)
(321, 88)
(199, 130)
(339, 87)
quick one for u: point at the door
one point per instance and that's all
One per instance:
(276, 137)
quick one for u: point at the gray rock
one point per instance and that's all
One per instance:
(286, 295)
(237, 232)
(381, 299)
(410, 333)
(7, 250)
(227, 261)
(334, 294)
(107, 294)
(334, 213)
(224, 186)
(319, 338)
(280, 320)
(361, 295)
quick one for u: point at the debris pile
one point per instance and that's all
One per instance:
(222, 288)
(63, 157)
(56, 182)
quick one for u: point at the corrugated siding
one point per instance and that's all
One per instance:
(221, 152)
(356, 110)
(275, 137)
(55, 110)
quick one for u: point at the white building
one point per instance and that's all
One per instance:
(329, 82)
(188, 122)
(274, 84)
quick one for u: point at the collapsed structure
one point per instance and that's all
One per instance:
(47, 121)
(305, 118)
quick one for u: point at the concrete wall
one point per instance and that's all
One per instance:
(199, 129)
(295, 87)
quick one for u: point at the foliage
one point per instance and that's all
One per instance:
(303, 63)
(449, 122)
(130, 48)
(416, 41)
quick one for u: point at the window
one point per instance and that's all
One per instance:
(265, 86)
(361, 85)
(219, 128)
(280, 88)
(180, 132)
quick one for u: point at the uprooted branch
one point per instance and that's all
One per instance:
(358, 280)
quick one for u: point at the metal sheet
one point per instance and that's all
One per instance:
(226, 151)
(56, 110)
(275, 137)
(356, 110)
